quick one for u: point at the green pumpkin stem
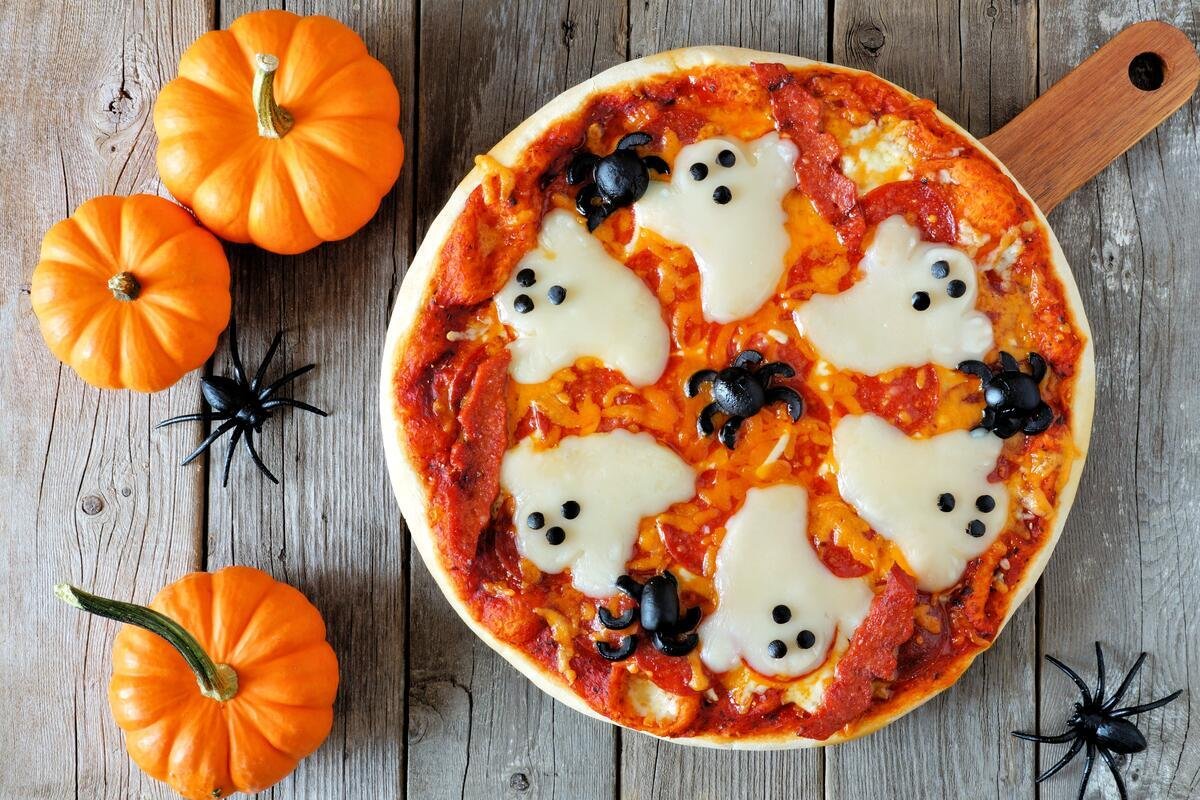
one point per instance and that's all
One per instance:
(124, 286)
(217, 681)
(273, 122)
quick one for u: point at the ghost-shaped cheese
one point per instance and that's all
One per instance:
(930, 497)
(568, 298)
(914, 305)
(779, 609)
(725, 202)
(579, 503)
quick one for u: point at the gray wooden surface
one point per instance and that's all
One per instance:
(93, 495)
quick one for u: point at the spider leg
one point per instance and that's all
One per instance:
(704, 423)
(594, 217)
(1037, 367)
(190, 418)
(768, 371)
(977, 368)
(1039, 420)
(1116, 698)
(675, 645)
(288, 401)
(623, 650)
(237, 434)
(692, 387)
(688, 621)
(1099, 670)
(258, 461)
(1070, 673)
(221, 430)
(616, 623)
(1008, 362)
(635, 139)
(1133, 710)
(1087, 769)
(1033, 737)
(630, 587)
(580, 168)
(262, 368)
(657, 164)
(263, 394)
(238, 371)
(784, 394)
(1116, 773)
(585, 201)
(1053, 769)
(729, 431)
(747, 357)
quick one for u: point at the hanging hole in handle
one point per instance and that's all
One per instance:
(1147, 71)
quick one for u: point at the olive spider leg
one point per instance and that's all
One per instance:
(616, 623)
(249, 440)
(191, 418)
(1033, 737)
(635, 139)
(747, 357)
(221, 430)
(1116, 773)
(1008, 362)
(657, 164)
(1062, 762)
(674, 646)
(768, 371)
(580, 168)
(704, 422)
(691, 387)
(291, 376)
(689, 620)
(288, 401)
(1037, 367)
(1070, 673)
(782, 394)
(1132, 710)
(729, 431)
(587, 200)
(1088, 763)
(1129, 676)
(233, 440)
(262, 368)
(630, 587)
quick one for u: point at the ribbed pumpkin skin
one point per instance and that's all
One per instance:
(287, 678)
(324, 179)
(169, 329)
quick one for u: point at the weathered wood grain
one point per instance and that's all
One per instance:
(1128, 568)
(331, 528)
(92, 494)
(477, 728)
(978, 62)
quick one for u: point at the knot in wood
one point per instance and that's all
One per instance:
(871, 38)
(92, 505)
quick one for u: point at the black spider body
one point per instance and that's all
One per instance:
(1012, 399)
(657, 614)
(614, 181)
(242, 406)
(740, 391)
(1098, 725)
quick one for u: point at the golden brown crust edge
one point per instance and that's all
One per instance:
(415, 289)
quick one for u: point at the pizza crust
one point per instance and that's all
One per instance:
(415, 290)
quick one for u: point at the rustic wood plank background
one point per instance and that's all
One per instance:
(425, 711)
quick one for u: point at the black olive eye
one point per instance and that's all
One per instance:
(722, 195)
(726, 158)
(570, 509)
(985, 503)
(556, 295)
(523, 304)
(940, 269)
(781, 614)
(976, 528)
(956, 288)
(526, 277)
(556, 535)
(806, 639)
(535, 521)
(698, 171)
(920, 300)
(777, 649)
(946, 502)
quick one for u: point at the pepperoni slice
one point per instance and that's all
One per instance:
(924, 205)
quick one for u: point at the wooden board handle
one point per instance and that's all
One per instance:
(1097, 112)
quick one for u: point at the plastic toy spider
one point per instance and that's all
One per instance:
(1013, 402)
(740, 391)
(657, 612)
(1099, 725)
(618, 179)
(243, 406)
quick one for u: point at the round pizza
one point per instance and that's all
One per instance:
(738, 398)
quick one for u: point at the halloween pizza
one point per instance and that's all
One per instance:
(737, 398)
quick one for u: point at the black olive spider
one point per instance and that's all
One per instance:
(1099, 725)
(1012, 399)
(740, 391)
(618, 179)
(243, 406)
(657, 612)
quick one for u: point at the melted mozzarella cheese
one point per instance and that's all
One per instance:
(873, 326)
(739, 245)
(765, 561)
(607, 312)
(895, 482)
(877, 153)
(617, 478)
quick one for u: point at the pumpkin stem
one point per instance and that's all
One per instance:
(273, 121)
(124, 286)
(217, 681)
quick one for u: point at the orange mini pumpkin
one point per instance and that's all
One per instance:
(130, 292)
(223, 684)
(281, 131)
